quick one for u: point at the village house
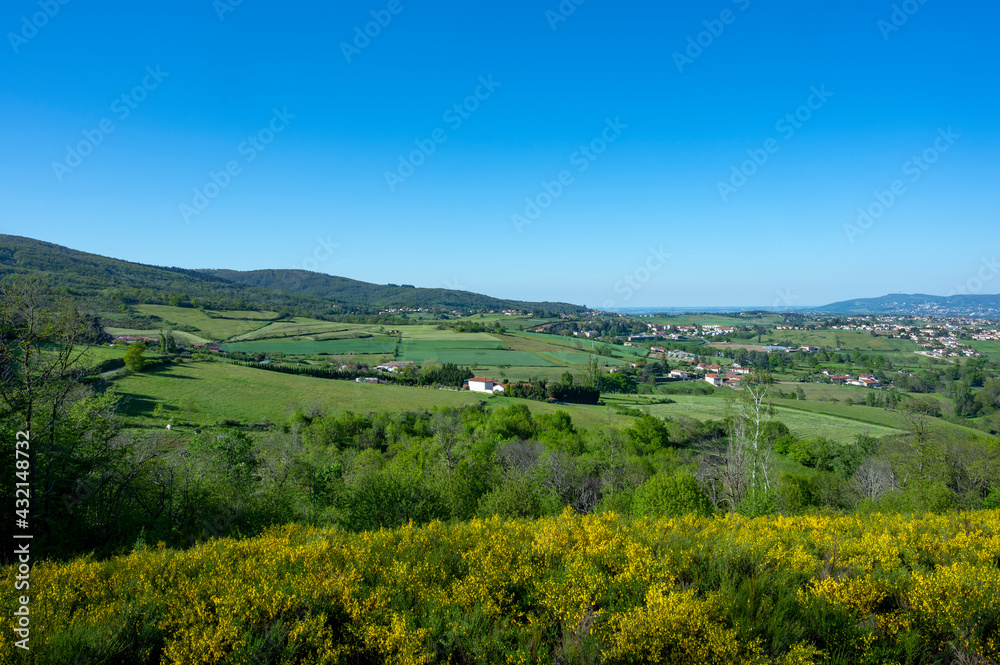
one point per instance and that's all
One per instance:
(715, 379)
(481, 384)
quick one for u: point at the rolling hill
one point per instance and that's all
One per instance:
(980, 306)
(106, 282)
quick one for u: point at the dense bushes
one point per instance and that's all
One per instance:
(670, 495)
(568, 588)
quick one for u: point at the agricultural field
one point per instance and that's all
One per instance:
(370, 345)
(575, 343)
(990, 349)
(301, 327)
(803, 424)
(833, 392)
(208, 327)
(95, 354)
(519, 354)
(220, 391)
(179, 335)
(493, 356)
(849, 340)
(579, 358)
(248, 314)
(870, 415)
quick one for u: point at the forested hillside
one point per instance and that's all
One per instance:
(108, 283)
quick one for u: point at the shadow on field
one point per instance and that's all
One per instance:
(167, 370)
(137, 405)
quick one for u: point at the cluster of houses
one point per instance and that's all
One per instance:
(714, 331)
(865, 380)
(940, 339)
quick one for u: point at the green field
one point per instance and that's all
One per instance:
(803, 424)
(221, 391)
(95, 354)
(370, 345)
(248, 314)
(424, 345)
(179, 335)
(581, 358)
(570, 343)
(428, 344)
(208, 327)
(849, 340)
(477, 356)
(990, 349)
(871, 415)
(301, 327)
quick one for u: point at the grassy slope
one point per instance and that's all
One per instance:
(179, 335)
(802, 422)
(211, 328)
(849, 341)
(380, 344)
(221, 391)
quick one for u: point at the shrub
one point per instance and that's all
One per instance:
(670, 495)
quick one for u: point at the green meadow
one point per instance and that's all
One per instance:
(208, 327)
(849, 340)
(379, 344)
(300, 327)
(220, 391)
(180, 335)
(802, 423)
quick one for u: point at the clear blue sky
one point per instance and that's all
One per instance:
(888, 91)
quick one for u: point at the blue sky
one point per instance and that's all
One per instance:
(608, 154)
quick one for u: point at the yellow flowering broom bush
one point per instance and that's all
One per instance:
(880, 588)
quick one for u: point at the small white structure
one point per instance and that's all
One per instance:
(480, 384)
(395, 365)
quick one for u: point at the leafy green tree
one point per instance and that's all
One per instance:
(617, 382)
(670, 495)
(648, 434)
(69, 429)
(514, 497)
(134, 360)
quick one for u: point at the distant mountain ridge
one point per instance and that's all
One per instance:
(100, 277)
(919, 304)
